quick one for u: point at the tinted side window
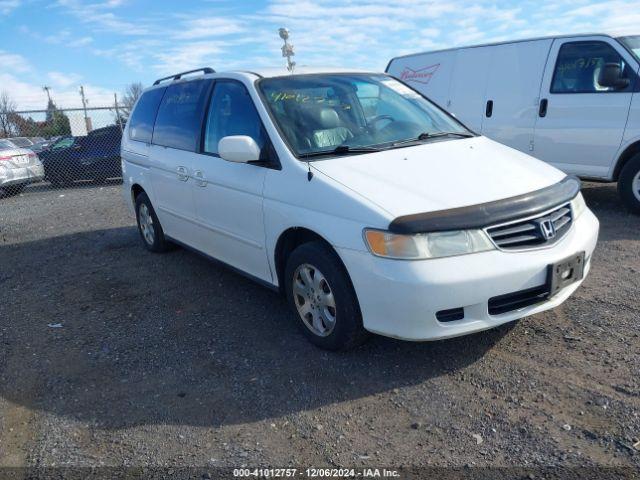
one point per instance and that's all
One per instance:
(178, 124)
(144, 115)
(580, 64)
(232, 112)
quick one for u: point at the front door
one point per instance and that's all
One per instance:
(581, 120)
(228, 195)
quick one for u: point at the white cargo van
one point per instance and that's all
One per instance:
(572, 101)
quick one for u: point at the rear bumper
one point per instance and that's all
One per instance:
(17, 176)
(400, 298)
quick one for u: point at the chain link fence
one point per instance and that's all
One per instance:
(59, 148)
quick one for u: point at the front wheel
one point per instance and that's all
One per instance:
(321, 295)
(629, 184)
(149, 226)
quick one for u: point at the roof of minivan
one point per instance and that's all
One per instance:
(266, 73)
(611, 34)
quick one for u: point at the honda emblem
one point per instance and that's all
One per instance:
(547, 229)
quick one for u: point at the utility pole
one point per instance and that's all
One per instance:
(287, 48)
(115, 104)
(87, 121)
(46, 89)
(49, 103)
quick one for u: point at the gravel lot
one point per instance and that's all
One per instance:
(110, 355)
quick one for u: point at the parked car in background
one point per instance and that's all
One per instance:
(19, 142)
(18, 167)
(571, 101)
(371, 208)
(95, 156)
(40, 146)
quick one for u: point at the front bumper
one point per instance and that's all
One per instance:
(400, 298)
(16, 176)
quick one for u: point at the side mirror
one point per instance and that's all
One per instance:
(611, 77)
(239, 149)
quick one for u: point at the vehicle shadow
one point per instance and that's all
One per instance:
(101, 331)
(46, 186)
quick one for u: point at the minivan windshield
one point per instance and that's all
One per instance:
(353, 113)
(632, 43)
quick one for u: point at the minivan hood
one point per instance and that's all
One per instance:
(440, 175)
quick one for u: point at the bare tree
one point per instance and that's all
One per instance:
(131, 94)
(7, 109)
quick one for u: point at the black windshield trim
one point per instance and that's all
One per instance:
(490, 213)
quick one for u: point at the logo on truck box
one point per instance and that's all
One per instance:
(420, 75)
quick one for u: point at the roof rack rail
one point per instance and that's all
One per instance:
(178, 76)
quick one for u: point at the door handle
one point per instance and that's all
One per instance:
(199, 178)
(542, 111)
(183, 174)
(488, 111)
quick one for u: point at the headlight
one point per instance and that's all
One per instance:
(426, 245)
(578, 206)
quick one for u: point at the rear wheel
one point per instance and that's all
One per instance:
(58, 182)
(14, 189)
(321, 295)
(149, 226)
(629, 184)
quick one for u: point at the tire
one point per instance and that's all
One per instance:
(151, 232)
(12, 190)
(342, 324)
(58, 182)
(629, 184)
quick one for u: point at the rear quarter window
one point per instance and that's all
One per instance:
(144, 115)
(179, 120)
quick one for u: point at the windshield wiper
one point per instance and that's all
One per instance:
(341, 150)
(428, 136)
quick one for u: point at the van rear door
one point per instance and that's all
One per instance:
(580, 120)
(469, 84)
(513, 87)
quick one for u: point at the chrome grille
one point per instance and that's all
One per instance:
(539, 231)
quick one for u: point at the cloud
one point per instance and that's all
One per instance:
(60, 37)
(198, 28)
(187, 56)
(97, 14)
(31, 96)
(8, 6)
(80, 42)
(59, 79)
(12, 62)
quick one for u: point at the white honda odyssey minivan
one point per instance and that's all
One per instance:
(369, 207)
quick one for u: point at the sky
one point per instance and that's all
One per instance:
(105, 45)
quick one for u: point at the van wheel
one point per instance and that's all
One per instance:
(149, 226)
(629, 184)
(320, 293)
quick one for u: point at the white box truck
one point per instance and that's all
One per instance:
(572, 101)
